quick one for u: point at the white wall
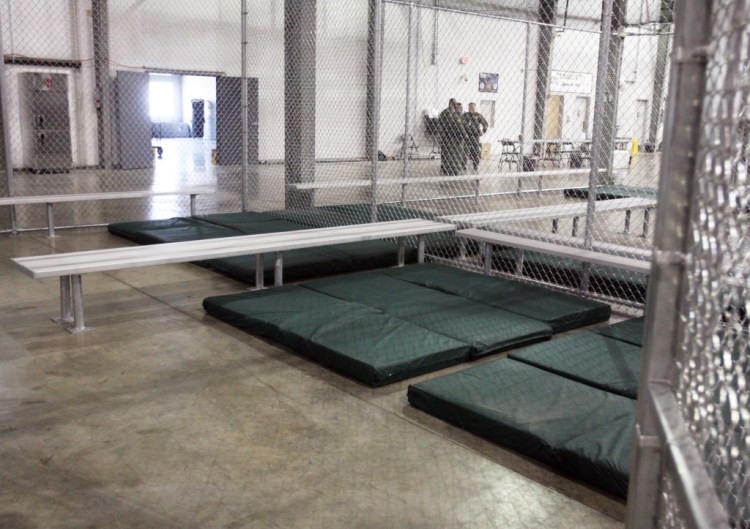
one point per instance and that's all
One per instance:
(196, 35)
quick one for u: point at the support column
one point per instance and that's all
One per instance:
(299, 99)
(612, 88)
(547, 15)
(374, 68)
(660, 73)
(102, 81)
(5, 130)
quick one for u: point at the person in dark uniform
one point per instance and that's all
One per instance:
(475, 125)
(452, 136)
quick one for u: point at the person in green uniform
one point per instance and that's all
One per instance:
(452, 134)
(475, 125)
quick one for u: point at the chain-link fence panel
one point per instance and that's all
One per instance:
(714, 369)
(484, 114)
(120, 96)
(693, 420)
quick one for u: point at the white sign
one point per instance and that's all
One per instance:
(570, 82)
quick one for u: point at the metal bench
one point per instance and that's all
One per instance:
(69, 267)
(476, 178)
(490, 239)
(554, 213)
(115, 195)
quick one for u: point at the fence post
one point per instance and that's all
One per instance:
(243, 104)
(376, 34)
(6, 136)
(666, 293)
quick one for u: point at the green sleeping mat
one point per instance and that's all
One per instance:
(611, 192)
(420, 310)
(359, 341)
(486, 329)
(583, 431)
(630, 331)
(562, 312)
(589, 358)
(298, 264)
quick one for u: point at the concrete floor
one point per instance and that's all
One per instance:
(166, 418)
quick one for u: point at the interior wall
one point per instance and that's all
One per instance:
(205, 36)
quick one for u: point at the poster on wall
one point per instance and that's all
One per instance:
(570, 82)
(488, 82)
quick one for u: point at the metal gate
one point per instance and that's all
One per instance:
(692, 459)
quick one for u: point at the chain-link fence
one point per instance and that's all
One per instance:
(347, 102)
(693, 460)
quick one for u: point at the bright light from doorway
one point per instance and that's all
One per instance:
(162, 95)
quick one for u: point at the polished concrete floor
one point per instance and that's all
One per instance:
(163, 417)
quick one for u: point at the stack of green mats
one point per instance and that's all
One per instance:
(298, 264)
(385, 326)
(569, 402)
(611, 192)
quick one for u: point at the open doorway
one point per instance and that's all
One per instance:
(182, 110)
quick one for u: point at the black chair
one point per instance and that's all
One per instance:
(509, 153)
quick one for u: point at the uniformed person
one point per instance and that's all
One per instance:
(475, 125)
(452, 135)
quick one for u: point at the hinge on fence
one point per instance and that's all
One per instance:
(668, 258)
(697, 54)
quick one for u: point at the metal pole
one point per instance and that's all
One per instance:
(6, 136)
(522, 137)
(377, 17)
(407, 104)
(598, 127)
(666, 292)
(243, 105)
(102, 81)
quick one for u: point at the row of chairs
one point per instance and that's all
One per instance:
(558, 154)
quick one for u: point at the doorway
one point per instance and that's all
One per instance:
(554, 122)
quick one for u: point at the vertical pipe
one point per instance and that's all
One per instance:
(6, 136)
(407, 106)
(401, 241)
(259, 271)
(660, 68)
(102, 81)
(672, 238)
(278, 270)
(192, 205)
(420, 248)
(522, 137)
(377, 17)
(487, 258)
(598, 127)
(78, 316)
(547, 15)
(243, 105)
(65, 301)
(50, 221)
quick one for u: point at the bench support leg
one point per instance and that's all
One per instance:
(259, 272)
(50, 221)
(646, 215)
(487, 258)
(420, 249)
(555, 225)
(192, 205)
(278, 270)
(80, 323)
(575, 227)
(66, 302)
(519, 262)
(627, 221)
(401, 251)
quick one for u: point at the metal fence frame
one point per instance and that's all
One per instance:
(667, 464)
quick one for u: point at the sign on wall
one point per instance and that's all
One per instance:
(488, 82)
(570, 82)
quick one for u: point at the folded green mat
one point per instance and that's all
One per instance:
(589, 358)
(562, 312)
(630, 331)
(583, 431)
